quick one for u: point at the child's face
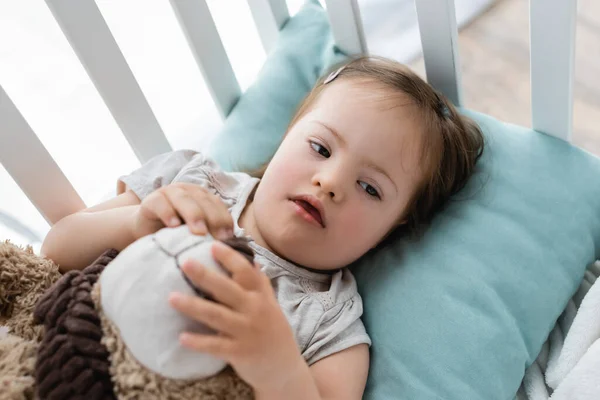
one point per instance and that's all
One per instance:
(363, 177)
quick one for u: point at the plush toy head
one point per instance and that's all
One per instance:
(135, 288)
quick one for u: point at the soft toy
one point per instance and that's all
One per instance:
(135, 288)
(108, 331)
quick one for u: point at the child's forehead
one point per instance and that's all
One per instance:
(364, 95)
(366, 105)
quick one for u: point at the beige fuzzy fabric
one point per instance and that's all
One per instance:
(132, 381)
(24, 277)
(17, 367)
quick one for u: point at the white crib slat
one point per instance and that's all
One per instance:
(32, 167)
(346, 24)
(269, 17)
(204, 41)
(89, 36)
(552, 31)
(439, 37)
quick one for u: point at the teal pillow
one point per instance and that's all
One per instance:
(464, 310)
(304, 50)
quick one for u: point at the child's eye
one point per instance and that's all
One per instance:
(371, 191)
(320, 149)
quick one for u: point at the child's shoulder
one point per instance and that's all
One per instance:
(203, 170)
(184, 165)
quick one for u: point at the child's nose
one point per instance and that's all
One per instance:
(330, 183)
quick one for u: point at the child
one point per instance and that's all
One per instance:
(372, 150)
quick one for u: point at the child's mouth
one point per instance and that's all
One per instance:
(309, 211)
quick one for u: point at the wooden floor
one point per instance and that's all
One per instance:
(494, 54)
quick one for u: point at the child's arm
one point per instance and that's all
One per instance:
(343, 375)
(78, 239)
(340, 376)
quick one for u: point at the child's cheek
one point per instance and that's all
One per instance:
(290, 172)
(283, 163)
(355, 235)
(354, 223)
(292, 167)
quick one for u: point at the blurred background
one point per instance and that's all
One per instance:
(45, 80)
(494, 52)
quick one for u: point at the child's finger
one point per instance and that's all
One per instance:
(222, 288)
(218, 346)
(158, 207)
(223, 219)
(218, 219)
(214, 315)
(193, 214)
(241, 269)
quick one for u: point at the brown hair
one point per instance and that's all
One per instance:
(451, 143)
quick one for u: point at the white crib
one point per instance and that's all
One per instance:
(31, 165)
(552, 59)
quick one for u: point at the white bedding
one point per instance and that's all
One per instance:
(568, 365)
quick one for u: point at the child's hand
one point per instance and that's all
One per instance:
(254, 335)
(201, 210)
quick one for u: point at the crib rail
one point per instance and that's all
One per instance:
(209, 53)
(346, 24)
(552, 37)
(269, 17)
(552, 54)
(32, 167)
(439, 38)
(89, 36)
(552, 32)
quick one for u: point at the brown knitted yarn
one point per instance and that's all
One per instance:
(72, 363)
